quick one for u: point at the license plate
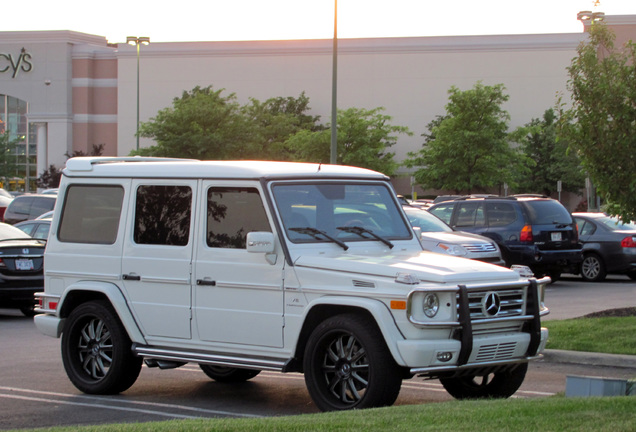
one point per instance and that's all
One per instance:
(24, 264)
(556, 236)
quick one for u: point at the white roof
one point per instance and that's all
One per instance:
(147, 167)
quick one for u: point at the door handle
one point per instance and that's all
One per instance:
(206, 282)
(131, 277)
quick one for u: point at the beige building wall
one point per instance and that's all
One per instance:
(409, 77)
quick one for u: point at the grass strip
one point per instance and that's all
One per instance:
(611, 335)
(611, 414)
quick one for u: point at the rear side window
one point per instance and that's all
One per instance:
(232, 213)
(547, 212)
(500, 214)
(162, 215)
(91, 214)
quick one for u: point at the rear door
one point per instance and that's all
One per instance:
(552, 225)
(157, 256)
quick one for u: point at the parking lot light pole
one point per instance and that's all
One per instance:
(134, 40)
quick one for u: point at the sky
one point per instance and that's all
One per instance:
(233, 20)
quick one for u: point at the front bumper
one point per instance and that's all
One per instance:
(478, 349)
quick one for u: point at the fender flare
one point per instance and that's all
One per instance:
(378, 310)
(116, 298)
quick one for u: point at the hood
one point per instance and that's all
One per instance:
(427, 266)
(456, 237)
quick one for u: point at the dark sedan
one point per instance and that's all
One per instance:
(609, 246)
(21, 270)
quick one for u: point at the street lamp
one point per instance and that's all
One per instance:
(134, 40)
(334, 89)
(589, 17)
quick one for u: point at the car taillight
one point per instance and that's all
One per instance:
(628, 242)
(2, 264)
(526, 234)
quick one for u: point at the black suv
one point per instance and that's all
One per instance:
(531, 230)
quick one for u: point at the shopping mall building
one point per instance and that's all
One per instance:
(63, 91)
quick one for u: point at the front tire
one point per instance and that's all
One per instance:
(347, 365)
(493, 385)
(228, 374)
(96, 350)
(593, 268)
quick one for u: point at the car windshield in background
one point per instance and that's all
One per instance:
(615, 224)
(427, 222)
(323, 212)
(548, 212)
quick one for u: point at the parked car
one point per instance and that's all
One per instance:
(609, 246)
(21, 274)
(28, 206)
(437, 236)
(36, 228)
(531, 230)
(241, 266)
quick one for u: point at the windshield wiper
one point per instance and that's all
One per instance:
(361, 231)
(315, 233)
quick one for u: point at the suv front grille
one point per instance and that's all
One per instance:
(476, 248)
(495, 304)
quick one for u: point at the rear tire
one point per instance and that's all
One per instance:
(593, 268)
(493, 385)
(347, 365)
(96, 350)
(228, 374)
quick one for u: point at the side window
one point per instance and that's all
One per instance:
(162, 215)
(470, 214)
(444, 212)
(91, 214)
(500, 214)
(232, 213)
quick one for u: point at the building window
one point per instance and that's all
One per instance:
(23, 137)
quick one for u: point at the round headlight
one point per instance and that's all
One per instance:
(430, 305)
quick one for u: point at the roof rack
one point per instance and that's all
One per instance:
(85, 163)
(530, 195)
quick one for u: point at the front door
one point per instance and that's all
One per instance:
(238, 296)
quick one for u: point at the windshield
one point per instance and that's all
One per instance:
(426, 221)
(307, 210)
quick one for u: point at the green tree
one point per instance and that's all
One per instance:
(467, 149)
(547, 160)
(600, 124)
(275, 120)
(363, 139)
(7, 157)
(201, 124)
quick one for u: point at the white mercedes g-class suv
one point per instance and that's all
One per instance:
(290, 267)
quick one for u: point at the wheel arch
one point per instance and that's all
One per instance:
(327, 307)
(85, 291)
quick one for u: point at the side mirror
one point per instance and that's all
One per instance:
(418, 232)
(260, 242)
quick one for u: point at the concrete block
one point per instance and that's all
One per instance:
(579, 386)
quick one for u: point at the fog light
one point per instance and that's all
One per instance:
(430, 305)
(444, 356)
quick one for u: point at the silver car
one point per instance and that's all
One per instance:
(437, 236)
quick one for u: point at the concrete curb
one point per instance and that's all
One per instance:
(588, 358)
